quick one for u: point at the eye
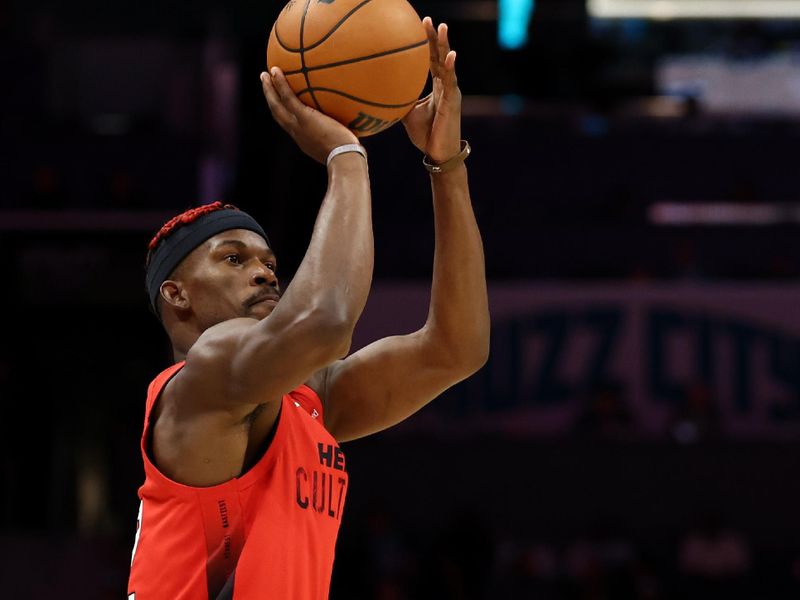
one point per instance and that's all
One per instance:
(233, 259)
(270, 265)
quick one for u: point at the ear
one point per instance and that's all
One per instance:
(174, 294)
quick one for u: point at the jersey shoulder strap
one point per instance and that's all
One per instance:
(309, 400)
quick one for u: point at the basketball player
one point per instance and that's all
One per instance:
(245, 481)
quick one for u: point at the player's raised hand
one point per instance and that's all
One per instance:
(314, 132)
(434, 124)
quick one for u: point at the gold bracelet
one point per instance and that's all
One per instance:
(450, 164)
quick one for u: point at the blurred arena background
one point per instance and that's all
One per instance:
(636, 434)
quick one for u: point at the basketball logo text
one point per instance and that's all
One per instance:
(364, 123)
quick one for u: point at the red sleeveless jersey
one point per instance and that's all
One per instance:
(268, 534)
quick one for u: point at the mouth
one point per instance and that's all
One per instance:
(269, 299)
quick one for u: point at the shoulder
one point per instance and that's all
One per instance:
(208, 378)
(160, 380)
(211, 361)
(218, 339)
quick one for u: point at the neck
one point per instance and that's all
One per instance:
(182, 341)
(183, 333)
(181, 346)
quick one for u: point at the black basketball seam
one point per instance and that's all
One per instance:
(302, 53)
(355, 60)
(311, 90)
(301, 49)
(280, 41)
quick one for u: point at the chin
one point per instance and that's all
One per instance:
(260, 311)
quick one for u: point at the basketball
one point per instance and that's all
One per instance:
(362, 62)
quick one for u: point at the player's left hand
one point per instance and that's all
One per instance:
(434, 124)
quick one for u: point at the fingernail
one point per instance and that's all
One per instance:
(274, 71)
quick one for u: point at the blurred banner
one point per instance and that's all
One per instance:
(767, 85)
(689, 361)
(695, 9)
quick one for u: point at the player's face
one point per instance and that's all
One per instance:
(232, 275)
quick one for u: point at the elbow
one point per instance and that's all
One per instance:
(483, 356)
(463, 364)
(340, 346)
(482, 344)
(466, 356)
(475, 353)
(475, 360)
(332, 332)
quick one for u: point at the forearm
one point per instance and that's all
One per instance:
(458, 319)
(336, 272)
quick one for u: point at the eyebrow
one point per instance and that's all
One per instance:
(239, 244)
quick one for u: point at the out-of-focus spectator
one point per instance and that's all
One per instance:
(122, 190)
(696, 417)
(714, 559)
(605, 411)
(601, 566)
(460, 563)
(648, 585)
(388, 550)
(527, 570)
(46, 188)
(794, 575)
(782, 266)
(376, 560)
(686, 262)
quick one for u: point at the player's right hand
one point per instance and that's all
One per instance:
(314, 132)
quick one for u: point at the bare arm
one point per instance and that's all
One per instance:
(392, 378)
(244, 362)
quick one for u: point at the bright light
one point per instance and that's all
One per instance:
(513, 19)
(695, 9)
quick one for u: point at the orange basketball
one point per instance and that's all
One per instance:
(362, 62)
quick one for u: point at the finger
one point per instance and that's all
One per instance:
(424, 99)
(430, 33)
(427, 23)
(288, 98)
(433, 44)
(450, 69)
(279, 112)
(442, 42)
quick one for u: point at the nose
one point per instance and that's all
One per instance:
(262, 275)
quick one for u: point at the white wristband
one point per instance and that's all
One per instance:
(346, 148)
